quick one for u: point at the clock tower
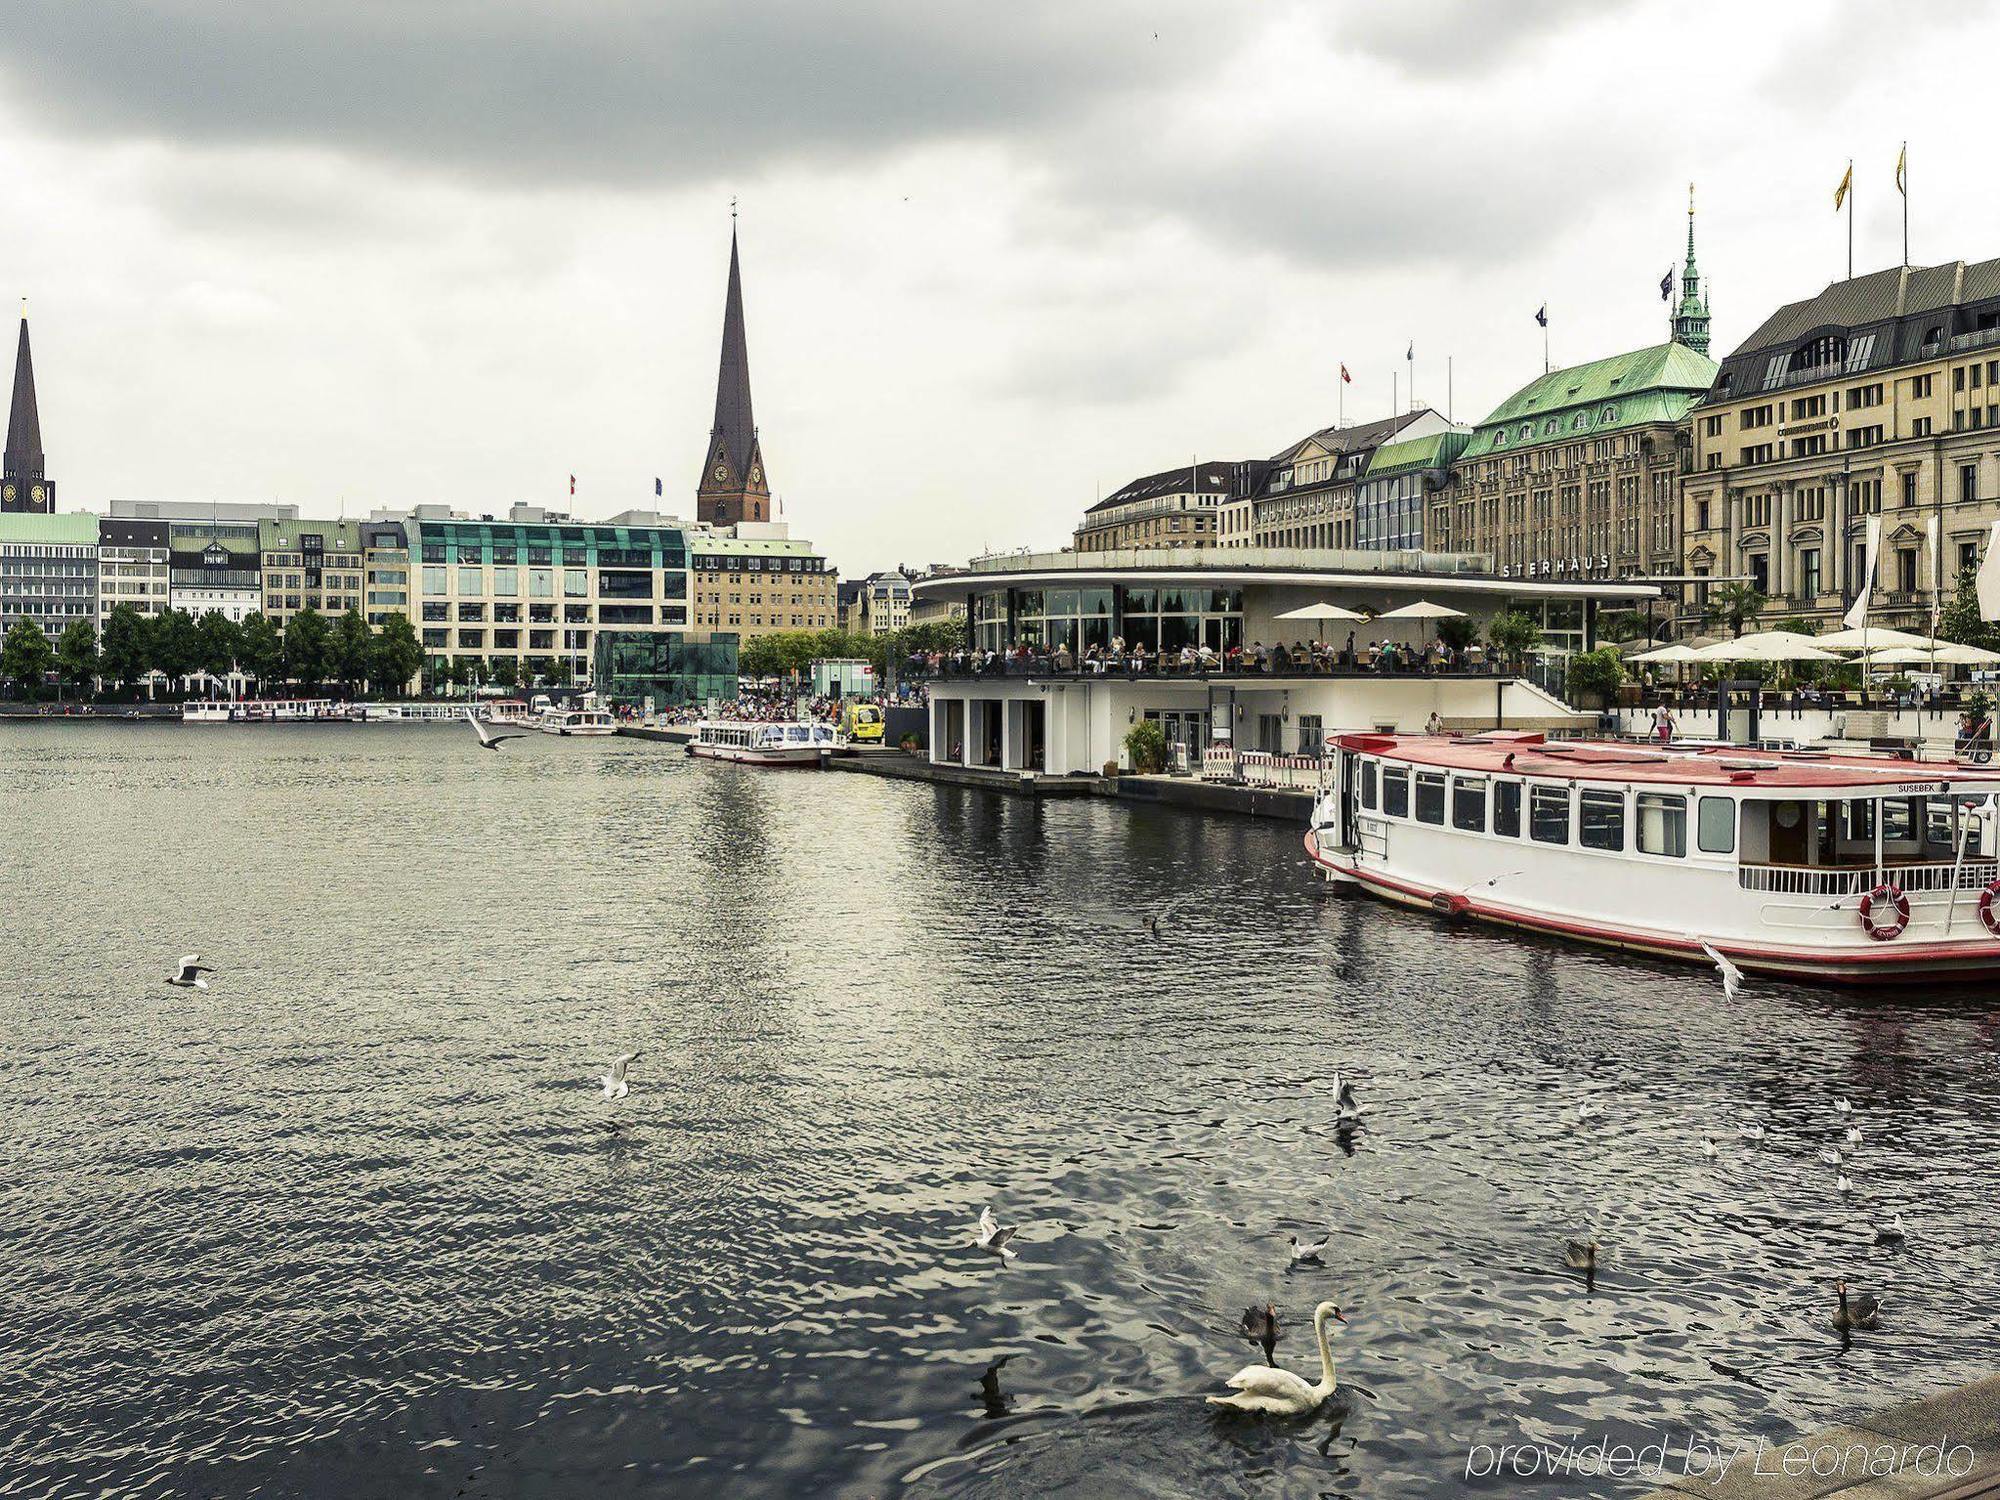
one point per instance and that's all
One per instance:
(23, 485)
(733, 484)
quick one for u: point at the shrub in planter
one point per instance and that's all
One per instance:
(1146, 744)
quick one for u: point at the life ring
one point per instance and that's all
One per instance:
(1987, 913)
(1885, 912)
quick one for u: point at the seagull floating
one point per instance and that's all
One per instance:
(992, 1238)
(1164, 912)
(1833, 1156)
(615, 1086)
(1260, 1326)
(1890, 1233)
(188, 975)
(1268, 1390)
(1862, 1312)
(1751, 1132)
(1309, 1254)
(1708, 1145)
(1843, 1181)
(488, 740)
(1590, 1109)
(1580, 1255)
(1854, 1135)
(1842, 1107)
(1732, 977)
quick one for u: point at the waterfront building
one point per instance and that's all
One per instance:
(213, 564)
(1304, 497)
(385, 567)
(734, 486)
(926, 609)
(847, 601)
(132, 566)
(1174, 508)
(1039, 713)
(755, 578)
(1577, 474)
(48, 570)
(313, 565)
(537, 588)
(882, 604)
(1393, 495)
(25, 487)
(1878, 397)
(671, 667)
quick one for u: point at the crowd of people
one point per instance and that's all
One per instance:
(1385, 656)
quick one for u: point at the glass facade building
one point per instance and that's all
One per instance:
(670, 667)
(1163, 619)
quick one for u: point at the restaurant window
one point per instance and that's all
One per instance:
(1716, 833)
(1430, 797)
(1601, 820)
(1468, 805)
(1396, 793)
(1662, 824)
(1548, 814)
(1368, 784)
(1507, 809)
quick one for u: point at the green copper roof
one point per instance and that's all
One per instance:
(1608, 395)
(1438, 451)
(71, 529)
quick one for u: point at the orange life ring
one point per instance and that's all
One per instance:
(1986, 912)
(1891, 906)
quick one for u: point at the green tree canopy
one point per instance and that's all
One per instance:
(349, 649)
(1736, 605)
(505, 673)
(1960, 620)
(219, 640)
(1458, 631)
(308, 647)
(1596, 672)
(560, 672)
(176, 641)
(396, 656)
(260, 653)
(26, 657)
(127, 647)
(1513, 635)
(76, 654)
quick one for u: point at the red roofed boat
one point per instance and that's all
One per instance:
(1850, 868)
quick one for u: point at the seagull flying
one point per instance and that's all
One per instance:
(488, 740)
(992, 1238)
(1304, 1254)
(1732, 977)
(615, 1086)
(188, 975)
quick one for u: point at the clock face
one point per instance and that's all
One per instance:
(756, 475)
(36, 494)
(8, 492)
(721, 472)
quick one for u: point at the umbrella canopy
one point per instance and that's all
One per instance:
(1769, 645)
(1870, 639)
(1674, 653)
(1322, 611)
(1947, 654)
(1422, 609)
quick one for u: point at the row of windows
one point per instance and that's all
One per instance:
(1601, 816)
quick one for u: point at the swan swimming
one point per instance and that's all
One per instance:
(615, 1086)
(1280, 1393)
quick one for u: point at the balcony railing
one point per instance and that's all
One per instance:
(1154, 668)
(1800, 880)
(1979, 338)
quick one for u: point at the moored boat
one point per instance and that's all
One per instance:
(762, 744)
(1851, 868)
(578, 721)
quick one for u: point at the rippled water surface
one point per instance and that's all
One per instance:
(351, 1224)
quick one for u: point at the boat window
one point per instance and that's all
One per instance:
(1468, 805)
(1900, 819)
(1717, 833)
(1548, 814)
(1368, 784)
(1600, 821)
(1507, 808)
(1396, 792)
(1430, 797)
(1663, 824)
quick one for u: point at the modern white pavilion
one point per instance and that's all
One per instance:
(1034, 715)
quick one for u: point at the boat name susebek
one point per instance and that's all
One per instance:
(1711, 1460)
(1804, 864)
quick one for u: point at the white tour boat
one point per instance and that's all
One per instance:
(1852, 868)
(578, 721)
(762, 744)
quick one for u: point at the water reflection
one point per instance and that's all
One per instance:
(352, 1223)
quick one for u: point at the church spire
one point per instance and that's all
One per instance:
(1690, 323)
(733, 487)
(22, 485)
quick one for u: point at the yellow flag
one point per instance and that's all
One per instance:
(1902, 161)
(1846, 182)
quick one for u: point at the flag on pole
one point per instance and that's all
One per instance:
(1411, 353)
(656, 485)
(1542, 315)
(1667, 285)
(1345, 378)
(1857, 613)
(1986, 583)
(572, 484)
(1846, 182)
(1902, 163)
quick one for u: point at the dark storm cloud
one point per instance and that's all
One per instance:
(596, 91)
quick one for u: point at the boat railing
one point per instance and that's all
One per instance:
(1802, 880)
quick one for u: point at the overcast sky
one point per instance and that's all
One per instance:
(998, 259)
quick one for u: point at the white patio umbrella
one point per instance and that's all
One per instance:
(1768, 645)
(1869, 638)
(1678, 652)
(1422, 609)
(1322, 612)
(1947, 654)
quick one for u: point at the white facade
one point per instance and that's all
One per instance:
(234, 603)
(131, 575)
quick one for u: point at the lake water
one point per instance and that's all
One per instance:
(350, 1224)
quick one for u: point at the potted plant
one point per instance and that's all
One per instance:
(910, 743)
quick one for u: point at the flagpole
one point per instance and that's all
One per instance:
(1850, 218)
(1903, 182)
(1340, 399)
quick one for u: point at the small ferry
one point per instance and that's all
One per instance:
(1848, 868)
(578, 721)
(762, 744)
(266, 711)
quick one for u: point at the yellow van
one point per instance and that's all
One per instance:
(861, 723)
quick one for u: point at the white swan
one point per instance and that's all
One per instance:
(1708, 1145)
(1280, 1393)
